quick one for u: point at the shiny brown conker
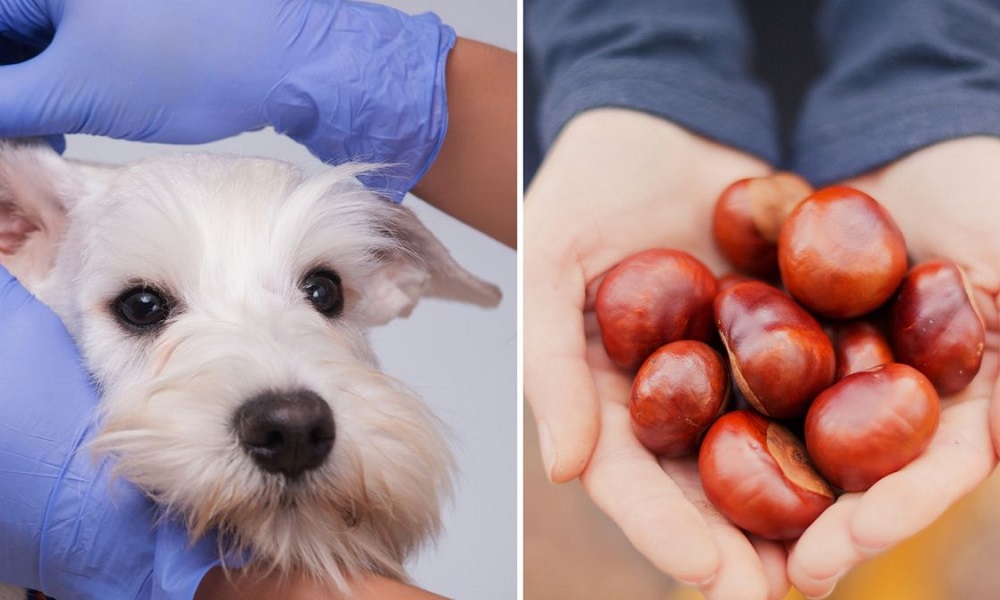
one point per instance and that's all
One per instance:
(840, 253)
(758, 475)
(859, 346)
(677, 393)
(748, 216)
(730, 279)
(870, 424)
(934, 325)
(779, 355)
(651, 299)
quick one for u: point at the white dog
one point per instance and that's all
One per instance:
(222, 305)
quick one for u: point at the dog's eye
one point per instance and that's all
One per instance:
(323, 290)
(141, 308)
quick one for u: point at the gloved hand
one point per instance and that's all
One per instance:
(67, 527)
(12, 52)
(349, 80)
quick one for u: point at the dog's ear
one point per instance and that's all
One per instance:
(420, 267)
(37, 188)
(36, 185)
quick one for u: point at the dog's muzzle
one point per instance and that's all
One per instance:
(286, 432)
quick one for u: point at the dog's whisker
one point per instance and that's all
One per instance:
(236, 391)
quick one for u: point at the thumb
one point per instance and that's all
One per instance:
(558, 382)
(12, 293)
(28, 23)
(40, 97)
(27, 322)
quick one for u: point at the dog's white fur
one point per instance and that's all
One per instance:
(230, 239)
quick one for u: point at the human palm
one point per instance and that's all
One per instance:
(616, 183)
(944, 200)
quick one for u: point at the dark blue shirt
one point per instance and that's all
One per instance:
(828, 89)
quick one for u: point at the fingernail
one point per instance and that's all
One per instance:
(833, 585)
(547, 449)
(826, 595)
(870, 550)
(699, 583)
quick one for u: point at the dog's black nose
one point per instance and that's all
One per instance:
(286, 432)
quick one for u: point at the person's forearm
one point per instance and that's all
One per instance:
(474, 177)
(217, 585)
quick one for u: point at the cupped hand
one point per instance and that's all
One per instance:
(614, 183)
(945, 199)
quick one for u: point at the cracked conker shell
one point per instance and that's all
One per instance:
(934, 326)
(779, 355)
(759, 476)
(871, 424)
(840, 253)
(748, 216)
(651, 299)
(679, 391)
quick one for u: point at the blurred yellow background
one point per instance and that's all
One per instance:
(573, 552)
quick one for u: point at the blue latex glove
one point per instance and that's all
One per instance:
(67, 527)
(12, 52)
(349, 80)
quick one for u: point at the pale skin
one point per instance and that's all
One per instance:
(944, 199)
(616, 182)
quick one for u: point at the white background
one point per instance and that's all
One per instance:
(462, 359)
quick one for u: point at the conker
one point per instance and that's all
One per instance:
(840, 253)
(859, 346)
(748, 216)
(779, 355)
(651, 299)
(862, 413)
(730, 279)
(870, 424)
(679, 391)
(758, 475)
(934, 326)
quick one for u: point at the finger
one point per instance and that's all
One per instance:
(741, 574)
(39, 98)
(627, 483)
(859, 526)
(748, 568)
(557, 379)
(826, 550)
(13, 295)
(774, 563)
(959, 458)
(989, 310)
(27, 22)
(987, 380)
(961, 455)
